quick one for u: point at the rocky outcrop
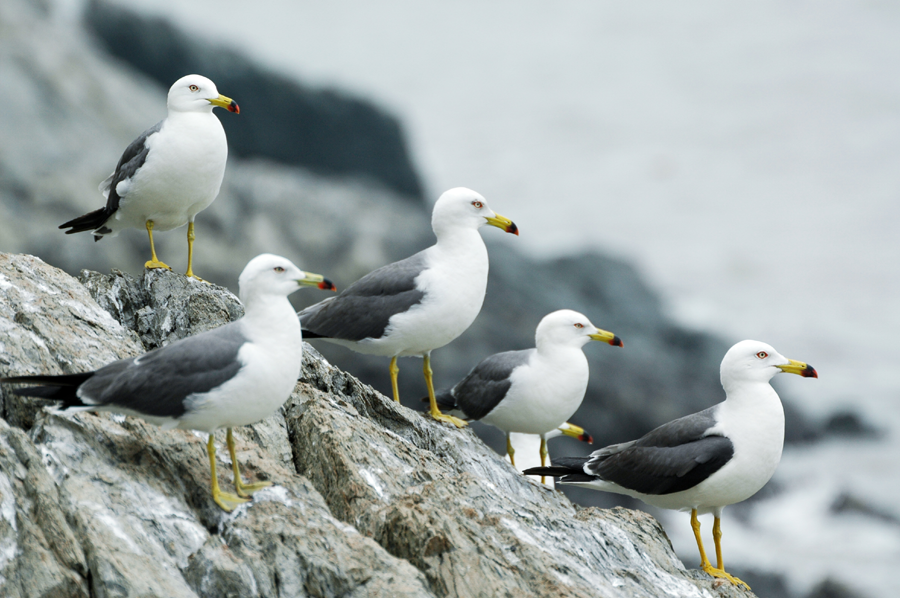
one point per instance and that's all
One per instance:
(327, 131)
(370, 498)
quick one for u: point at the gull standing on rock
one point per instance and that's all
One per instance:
(705, 461)
(532, 391)
(170, 173)
(416, 305)
(234, 375)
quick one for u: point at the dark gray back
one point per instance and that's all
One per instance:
(157, 383)
(487, 384)
(364, 309)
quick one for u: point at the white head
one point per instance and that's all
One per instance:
(756, 362)
(462, 208)
(195, 93)
(270, 275)
(570, 328)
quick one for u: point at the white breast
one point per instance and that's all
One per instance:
(544, 394)
(181, 175)
(271, 367)
(454, 285)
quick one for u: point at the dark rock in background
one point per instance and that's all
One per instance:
(324, 130)
(833, 589)
(850, 424)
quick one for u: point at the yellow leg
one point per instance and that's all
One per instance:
(510, 451)
(190, 239)
(704, 562)
(243, 490)
(544, 454)
(435, 412)
(717, 540)
(226, 500)
(154, 262)
(394, 371)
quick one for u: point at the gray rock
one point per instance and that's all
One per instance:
(162, 307)
(50, 325)
(369, 497)
(442, 500)
(104, 505)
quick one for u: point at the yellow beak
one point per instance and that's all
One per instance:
(575, 432)
(226, 103)
(606, 337)
(799, 368)
(316, 280)
(504, 223)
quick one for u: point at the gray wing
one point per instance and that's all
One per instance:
(157, 383)
(674, 457)
(364, 309)
(486, 385)
(132, 159)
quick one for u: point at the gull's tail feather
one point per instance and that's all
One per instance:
(89, 222)
(570, 469)
(58, 388)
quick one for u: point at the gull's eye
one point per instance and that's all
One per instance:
(579, 325)
(477, 204)
(278, 269)
(193, 88)
(762, 354)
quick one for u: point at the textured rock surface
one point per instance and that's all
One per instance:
(111, 506)
(370, 498)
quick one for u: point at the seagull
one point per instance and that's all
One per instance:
(170, 173)
(234, 375)
(705, 461)
(532, 391)
(416, 305)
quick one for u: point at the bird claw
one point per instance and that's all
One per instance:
(156, 264)
(443, 417)
(721, 574)
(246, 490)
(227, 501)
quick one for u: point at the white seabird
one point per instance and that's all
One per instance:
(234, 375)
(534, 391)
(421, 303)
(705, 461)
(170, 173)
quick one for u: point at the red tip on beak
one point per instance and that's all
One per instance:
(809, 372)
(512, 228)
(233, 107)
(616, 342)
(586, 438)
(327, 285)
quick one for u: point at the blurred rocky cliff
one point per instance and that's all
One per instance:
(323, 178)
